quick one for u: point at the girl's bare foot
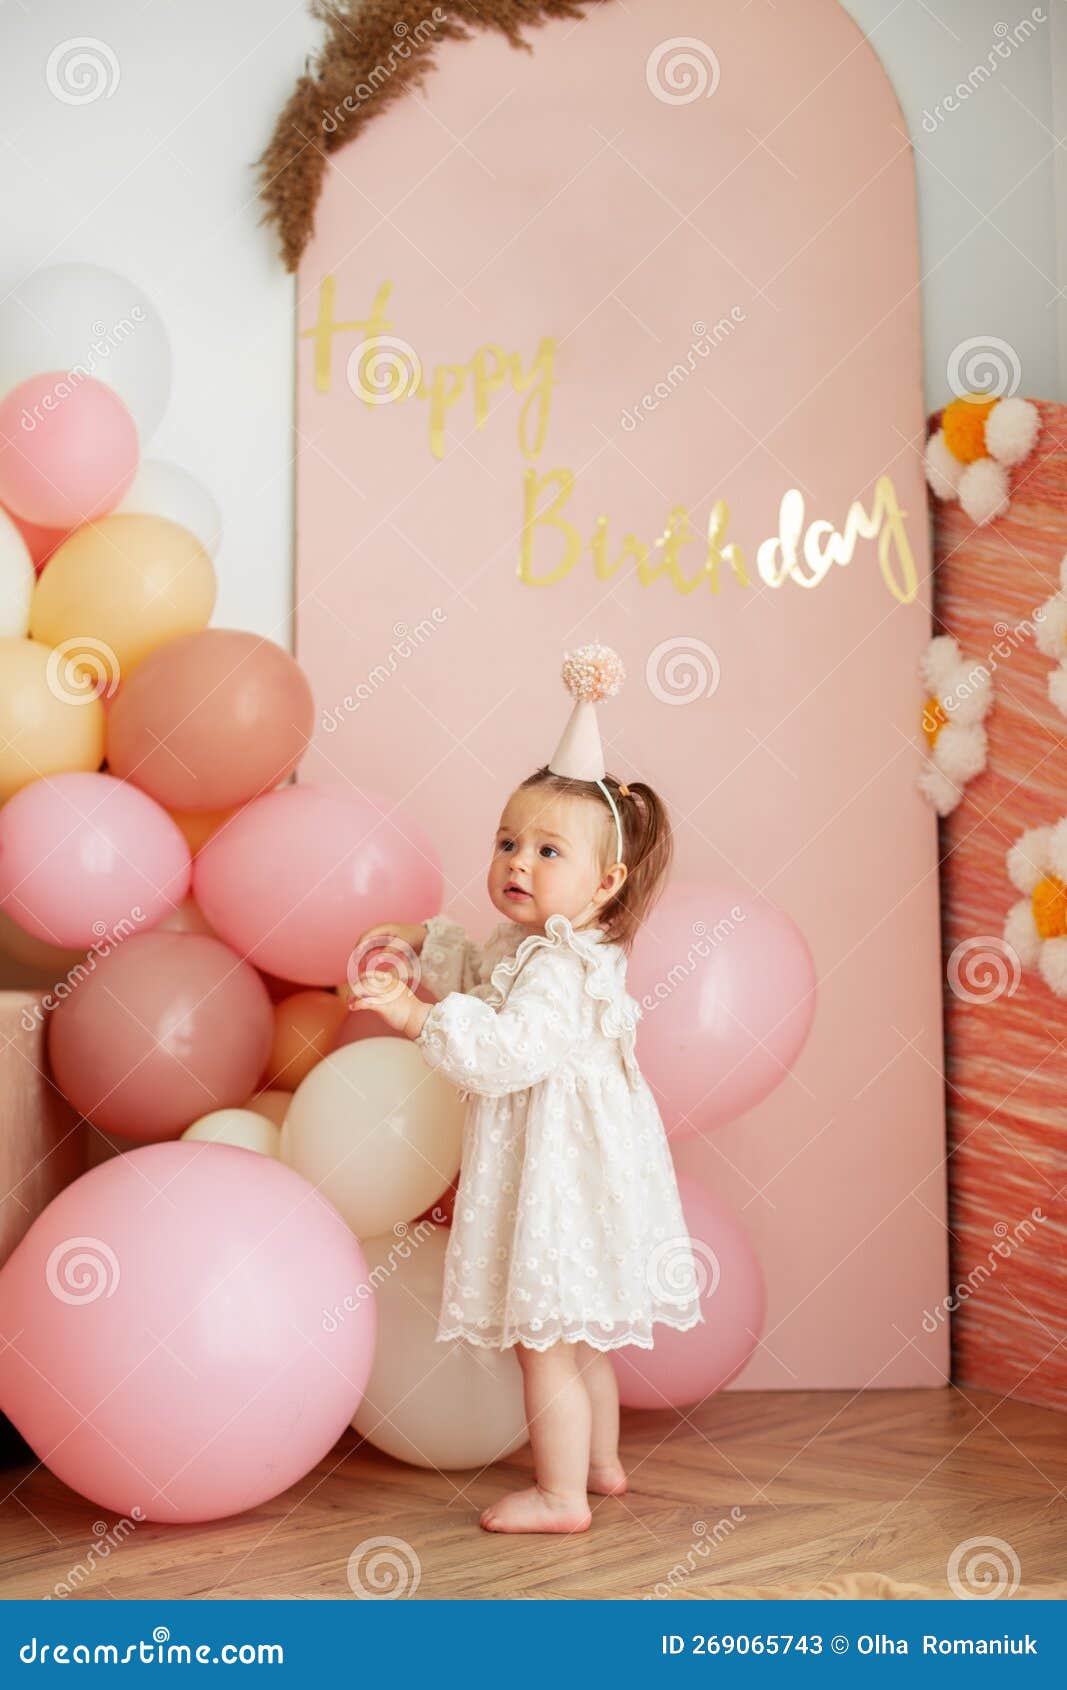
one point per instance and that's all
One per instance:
(534, 1511)
(609, 1480)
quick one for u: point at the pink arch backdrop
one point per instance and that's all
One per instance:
(657, 383)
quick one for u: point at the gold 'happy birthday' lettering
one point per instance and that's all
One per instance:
(402, 377)
(777, 559)
(799, 553)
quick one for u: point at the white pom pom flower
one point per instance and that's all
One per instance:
(984, 491)
(1050, 637)
(960, 694)
(1011, 430)
(943, 468)
(1036, 927)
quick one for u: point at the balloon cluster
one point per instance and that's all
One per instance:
(188, 1328)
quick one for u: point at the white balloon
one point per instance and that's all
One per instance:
(377, 1131)
(162, 489)
(242, 1127)
(17, 578)
(451, 1406)
(82, 317)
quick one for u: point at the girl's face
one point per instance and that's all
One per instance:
(546, 860)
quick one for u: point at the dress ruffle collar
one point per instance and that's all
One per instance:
(604, 978)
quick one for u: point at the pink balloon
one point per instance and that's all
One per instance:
(685, 1367)
(296, 876)
(41, 542)
(727, 986)
(68, 449)
(86, 857)
(165, 1028)
(165, 1346)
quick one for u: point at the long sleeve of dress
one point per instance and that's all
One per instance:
(496, 1051)
(450, 961)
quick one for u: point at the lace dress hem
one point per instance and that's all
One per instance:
(595, 1340)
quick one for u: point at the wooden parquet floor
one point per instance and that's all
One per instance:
(776, 1490)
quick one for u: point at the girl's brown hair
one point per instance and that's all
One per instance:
(647, 845)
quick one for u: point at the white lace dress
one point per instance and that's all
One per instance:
(567, 1223)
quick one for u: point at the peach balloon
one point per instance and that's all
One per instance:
(272, 1105)
(210, 720)
(377, 1131)
(299, 874)
(449, 1406)
(129, 582)
(166, 1028)
(244, 1128)
(16, 580)
(163, 1346)
(683, 1368)
(305, 1027)
(85, 857)
(68, 450)
(198, 826)
(46, 725)
(726, 983)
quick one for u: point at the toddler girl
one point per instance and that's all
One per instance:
(568, 1238)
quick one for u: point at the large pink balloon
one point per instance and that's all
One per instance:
(685, 1367)
(84, 857)
(163, 1345)
(210, 720)
(68, 450)
(727, 985)
(166, 1027)
(297, 875)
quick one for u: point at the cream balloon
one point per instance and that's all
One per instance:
(17, 577)
(272, 1105)
(377, 1131)
(88, 320)
(163, 489)
(451, 1406)
(244, 1128)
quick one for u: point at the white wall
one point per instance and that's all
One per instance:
(154, 179)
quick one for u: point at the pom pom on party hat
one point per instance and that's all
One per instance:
(590, 673)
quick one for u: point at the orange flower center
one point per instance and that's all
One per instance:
(934, 719)
(1050, 907)
(963, 422)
